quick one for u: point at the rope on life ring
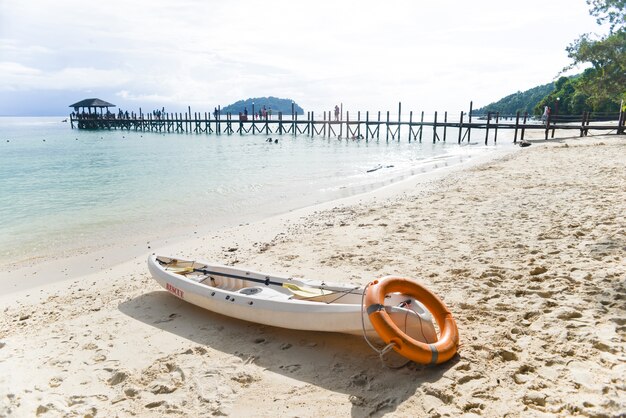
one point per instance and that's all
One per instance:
(436, 353)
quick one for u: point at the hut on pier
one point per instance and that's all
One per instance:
(89, 104)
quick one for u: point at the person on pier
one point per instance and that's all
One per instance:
(337, 112)
(546, 114)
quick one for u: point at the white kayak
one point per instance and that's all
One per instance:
(285, 302)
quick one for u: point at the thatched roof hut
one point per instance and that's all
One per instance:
(91, 103)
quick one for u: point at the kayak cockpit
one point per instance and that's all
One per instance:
(256, 284)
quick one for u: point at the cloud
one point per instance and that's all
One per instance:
(19, 77)
(368, 54)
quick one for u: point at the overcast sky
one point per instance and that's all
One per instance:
(368, 55)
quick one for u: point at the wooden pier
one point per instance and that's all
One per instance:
(349, 126)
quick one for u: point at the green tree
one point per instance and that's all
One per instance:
(571, 100)
(612, 11)
(605, 81)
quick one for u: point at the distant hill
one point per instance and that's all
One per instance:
(523, 101)
(273, 103)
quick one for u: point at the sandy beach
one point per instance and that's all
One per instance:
(528, 252)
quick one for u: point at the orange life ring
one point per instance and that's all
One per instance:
(439, 352)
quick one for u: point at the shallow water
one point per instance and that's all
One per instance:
(62, 189)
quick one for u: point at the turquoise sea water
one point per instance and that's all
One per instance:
(62, 189)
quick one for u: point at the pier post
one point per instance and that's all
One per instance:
(445, 125)
(293, 119)
(399, 114)
(378, 127)
(516, 127)
(218, 126)
(435, 128)
(280, 123)
(460, 126)
(410, 125)
(622, 119)
(341, 123)
(325, 125)
(495, 134)
(582, 123)
(524, 125)
(421, 126)
(253, 119)
(358, 125)
(487, 128)
(469, 127)
(330, 115)
(387, 125)
(367, 125)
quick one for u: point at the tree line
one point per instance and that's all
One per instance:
(600, 88)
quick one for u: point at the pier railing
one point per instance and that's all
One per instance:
(360, 126)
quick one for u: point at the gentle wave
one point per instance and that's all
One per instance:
(68, 189)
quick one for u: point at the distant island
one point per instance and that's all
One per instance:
(273, 103)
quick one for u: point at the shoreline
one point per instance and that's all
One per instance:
(72, 264)
(527, 251)
(39, 232)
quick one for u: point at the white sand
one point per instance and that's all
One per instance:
(527, 251)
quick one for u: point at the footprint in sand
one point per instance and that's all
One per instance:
(98, 358)
(463, 367)
(170, 318)
(244, 379)
(535, 399)
(131, 392)
(442, 394)
(538, 270)
(570, 315)
(117, 377)
(291, 368)
(506, 355)
(360, 380)
(155, 404)
(338, 367)
(162, 387)
(522, 375)
(387, 404)
(474, 407)
(55, 382)
(468, 377)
